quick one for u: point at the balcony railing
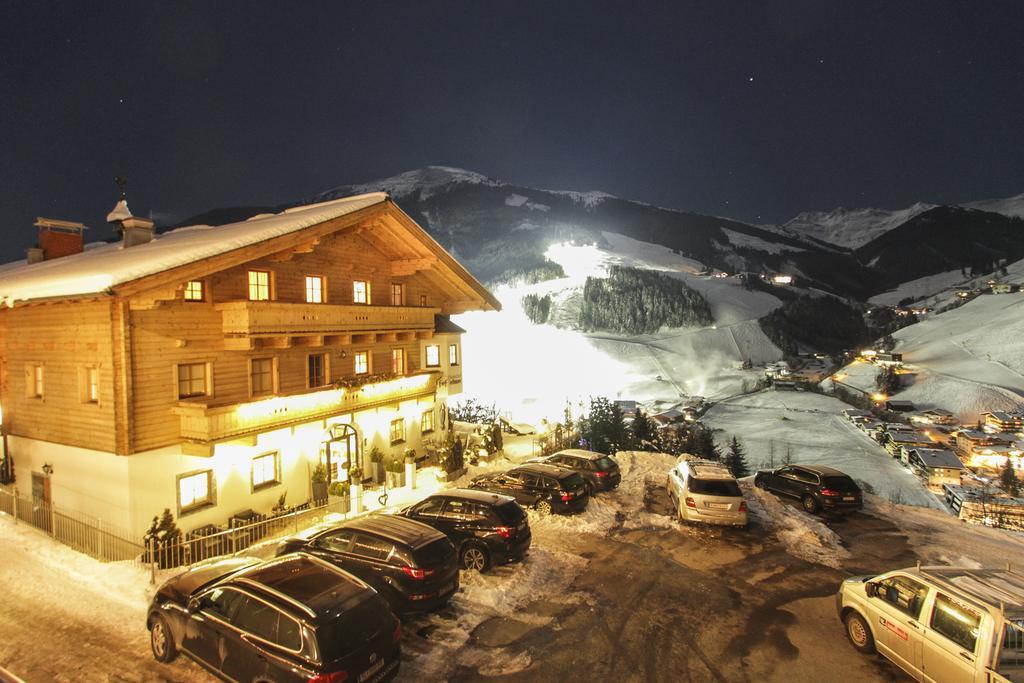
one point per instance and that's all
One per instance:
(205, 421)
(244, 318)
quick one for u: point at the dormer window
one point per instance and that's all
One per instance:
(195, 291)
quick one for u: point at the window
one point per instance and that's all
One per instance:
(316, 370)
(360, 292)
(261, 376)
(453, 354)
(194, 290)
(314, 289)
(361, 362)
(427, 421)
(34, 381)
(423, 299)
(433, 353)
(397, 294)
(465, 510)
(195, 490)
(264, 470)
(257, 618)
(956, 621)
(259, 285)
(192, 380)
(91, 384)
(398, 361)
(397, 430)
(372, 548)
(431, 507)
(904, 594)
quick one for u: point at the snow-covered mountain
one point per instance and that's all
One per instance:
(851, 228)
(1010, 206)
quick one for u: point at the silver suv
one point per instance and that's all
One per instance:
(706, 491)
(942, 624)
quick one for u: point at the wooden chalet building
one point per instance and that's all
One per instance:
(208, 370)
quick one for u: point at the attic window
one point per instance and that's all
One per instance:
(194, 290)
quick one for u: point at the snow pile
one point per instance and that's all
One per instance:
(99, 268)
(641, 470)
(803, 536)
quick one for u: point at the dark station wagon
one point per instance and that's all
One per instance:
(412, 565)
(294, 618)
(546, 488)
(599, 471)
(816, 487)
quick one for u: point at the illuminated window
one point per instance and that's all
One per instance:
(423, 299)
(397, 430)
(397, 294)
(314, 289)
(264, 470)
(361, 361)
(261, 376)
(427, 421)
(194, 290)
(433, 356)
(259, 285)
(398, 361)
(453, 354)
(192, 380)
(195, 490)
(316, 369)
(360, 292)
(91, 384)
(34, 381)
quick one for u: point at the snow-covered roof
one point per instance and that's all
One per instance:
(102, 266)
(938, 458)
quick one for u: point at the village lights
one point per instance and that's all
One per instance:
(879, 398)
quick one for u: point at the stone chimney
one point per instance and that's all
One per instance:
(132, 229)
(56, 239)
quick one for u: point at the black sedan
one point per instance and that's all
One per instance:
(295, 618)
(816, 487)
(412, 565)
(546, 488)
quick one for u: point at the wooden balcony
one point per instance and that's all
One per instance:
(245, 321)
(205, 421)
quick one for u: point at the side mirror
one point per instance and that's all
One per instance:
(871, 589)
(193, 605)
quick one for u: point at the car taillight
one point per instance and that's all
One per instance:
(505, 531)
(417, 573)
(743, 506)
(690, 503)
(333, 677)
(568, 495)
(829, 492)
(600, 474)
(396, 635)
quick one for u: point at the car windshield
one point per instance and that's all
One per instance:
(349, 631)
(604, 464)
(572, 482)
(715, 487)
(434, 553)
(840, 484)
(509, 513)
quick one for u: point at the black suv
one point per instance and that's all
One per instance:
(597, 469)
(487, 529)
(817, 487)
(546, 488)
(409, 563)
(295, 618)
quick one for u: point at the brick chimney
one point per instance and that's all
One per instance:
(56, 239)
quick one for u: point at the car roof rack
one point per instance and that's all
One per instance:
(997, 588)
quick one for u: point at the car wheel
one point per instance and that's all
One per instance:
(475, 558)
(543, 508)
(810, 505)
(161, 640)
(859, 634)
(589, 489)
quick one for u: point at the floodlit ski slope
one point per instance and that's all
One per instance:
(810, 428)
(532, 370)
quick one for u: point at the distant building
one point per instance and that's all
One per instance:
(1003, 421)
(899, 406)
(936, 466)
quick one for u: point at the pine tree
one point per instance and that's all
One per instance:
(787, 459)
(642, 430)
(1008, 478)
(736, 459)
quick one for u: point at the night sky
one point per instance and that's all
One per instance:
(752, 110)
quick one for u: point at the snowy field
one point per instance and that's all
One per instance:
(565, 364)
(811, 428)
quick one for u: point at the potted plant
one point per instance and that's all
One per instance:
(395, 473)
(410, 467)
(318, 482)
(376, 465)
(355, 478)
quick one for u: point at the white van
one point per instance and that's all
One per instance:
(940, 624)
(706, 491)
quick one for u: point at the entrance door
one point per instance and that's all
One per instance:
(340, 452)
(42, 516)
(897, 606)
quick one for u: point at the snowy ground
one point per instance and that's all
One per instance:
(810, 428)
